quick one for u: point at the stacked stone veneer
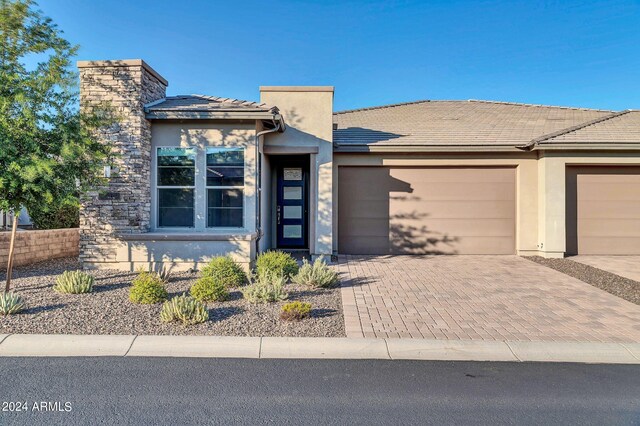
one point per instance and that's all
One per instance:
(124, 205)
(36, 246)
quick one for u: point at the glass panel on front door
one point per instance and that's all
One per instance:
(291, 208)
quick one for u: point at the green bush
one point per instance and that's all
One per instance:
(295, 311)
(276, 262)
(225, 270)
(318, 274)
(74, 282)
(11, 303)
(208, 289)
(185, 309)
(147, 288)
(267, 287)
(55, 216)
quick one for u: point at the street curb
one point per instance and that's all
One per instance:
(52, 345)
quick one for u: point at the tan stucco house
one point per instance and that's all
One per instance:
(198, 176)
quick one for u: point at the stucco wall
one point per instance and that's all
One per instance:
(38, 245)
(308, 113)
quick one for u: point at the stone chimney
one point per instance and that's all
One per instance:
(124, 205)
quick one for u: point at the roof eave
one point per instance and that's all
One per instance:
(353, 148)
(212, 115)
(588, 146)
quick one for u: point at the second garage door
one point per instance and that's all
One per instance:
(434, 210)
(603, 210)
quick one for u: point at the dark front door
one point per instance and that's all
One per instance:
(291, 210)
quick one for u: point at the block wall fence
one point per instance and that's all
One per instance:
(38, 245)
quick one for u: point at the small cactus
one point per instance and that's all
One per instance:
(74, 282)
(11, 303)
(185, 309)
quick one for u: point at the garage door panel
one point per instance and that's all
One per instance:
(461, 190)
(608, 191)
(609, 210)
(426, 210)
(608, 246)
(605, 227)
(603, 210)
(457, 227)
(451, 174)
(367, 227)
(455, 209)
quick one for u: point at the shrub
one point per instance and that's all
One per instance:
(295, 311)
(267, 287)
(208, 289)
(11, 303)
(276, 262)
(318, 274)
(147, 288)
(185, 309)
(226, 271)
(74, 282)
(55, 216)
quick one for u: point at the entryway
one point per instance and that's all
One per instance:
(292, 202)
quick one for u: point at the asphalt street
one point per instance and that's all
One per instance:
(181, 391)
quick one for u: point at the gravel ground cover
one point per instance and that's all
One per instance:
(108, 310)
(611, 283)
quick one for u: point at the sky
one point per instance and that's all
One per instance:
(570, 53)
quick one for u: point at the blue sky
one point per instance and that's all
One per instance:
(570, 53)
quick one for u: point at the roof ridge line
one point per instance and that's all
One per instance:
(539, 105)
(385, 106)
(574, 128)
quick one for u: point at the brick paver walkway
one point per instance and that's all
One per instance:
(625, 266)
(479, 298)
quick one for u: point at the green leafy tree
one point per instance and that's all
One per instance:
(48, 151)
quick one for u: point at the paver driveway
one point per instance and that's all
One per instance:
(479, 298)
(625, 266)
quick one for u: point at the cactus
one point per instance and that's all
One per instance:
(74, 282)
(11, 303)
(185, 309)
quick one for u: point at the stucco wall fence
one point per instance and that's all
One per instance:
(38, 245)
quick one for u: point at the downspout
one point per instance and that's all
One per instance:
(259, 181)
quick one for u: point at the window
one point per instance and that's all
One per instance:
(176, 187)
(225, 187)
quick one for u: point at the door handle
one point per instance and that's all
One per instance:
(278, 214)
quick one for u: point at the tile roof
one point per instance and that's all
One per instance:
(455, 123)
(202, 103)
(619, 127)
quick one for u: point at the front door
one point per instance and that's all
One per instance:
(291, 210)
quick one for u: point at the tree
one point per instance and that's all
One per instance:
(47, 145)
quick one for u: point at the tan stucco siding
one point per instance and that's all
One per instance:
(308, 113)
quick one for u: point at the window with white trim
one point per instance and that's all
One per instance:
(225, 187)
(175, 184)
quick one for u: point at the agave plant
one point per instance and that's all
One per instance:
(11, 303)
(74, 282)
(185, 309)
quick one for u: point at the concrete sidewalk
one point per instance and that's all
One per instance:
(317, 348)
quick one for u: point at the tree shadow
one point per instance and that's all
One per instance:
(46, 308)
(355, 281)
(223, 313)
(323, 313)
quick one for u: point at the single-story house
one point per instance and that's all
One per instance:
(198, 176)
